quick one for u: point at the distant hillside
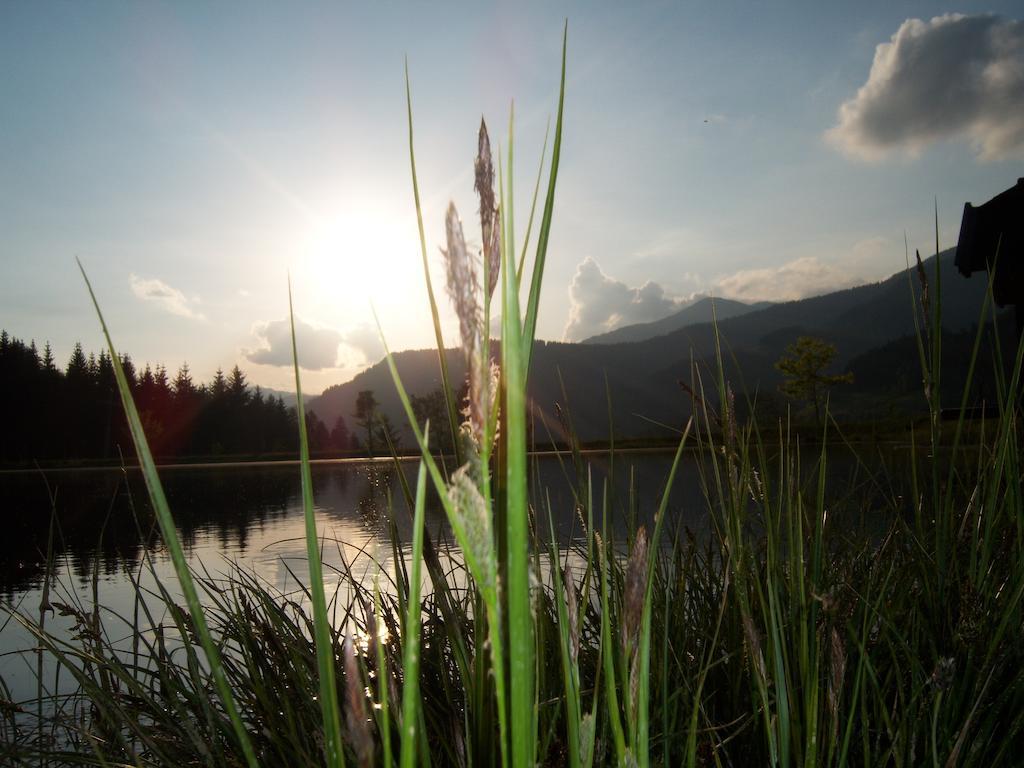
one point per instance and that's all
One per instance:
(890, 374)
(289, 398)
(420, 374)
(703, 310)
(642, 377)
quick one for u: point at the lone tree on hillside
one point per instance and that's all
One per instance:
(375, 423)
(804, 366)
(366, 413)
(341, 438)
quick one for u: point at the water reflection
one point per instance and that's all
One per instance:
(251, 516)
(102, 519)
(103, 522)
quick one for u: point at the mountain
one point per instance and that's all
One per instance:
(289, 398)
(703, 310)
(642, 377)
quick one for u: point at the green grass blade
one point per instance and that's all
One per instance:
(533, 206)
(508, 210)
(643, 703)
(570, 670)
(411, 632)
(329, 708)
(530, 325)
(442, 357)
(520, 614)
(382, 682)
(486, 584)
(607, 646)
(170, 537)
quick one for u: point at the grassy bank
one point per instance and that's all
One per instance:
(779, 638)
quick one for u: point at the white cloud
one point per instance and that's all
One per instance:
(170, 299)
(365, 340)
(318, 347)
(598, 303)
(953, 76)
(797, 279)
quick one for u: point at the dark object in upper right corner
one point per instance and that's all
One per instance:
(996, 227)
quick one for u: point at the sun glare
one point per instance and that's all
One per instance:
(355, 251)
(361, 254)
(362, 250)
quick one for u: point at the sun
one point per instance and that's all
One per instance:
(359, 260)
(346, 248)
(360, 250)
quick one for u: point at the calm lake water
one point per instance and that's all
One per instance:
(251, 515)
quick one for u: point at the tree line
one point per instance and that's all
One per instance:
(73, 412)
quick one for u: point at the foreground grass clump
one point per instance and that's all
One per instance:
(780, 637)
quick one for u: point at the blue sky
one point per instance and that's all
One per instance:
(193, 154)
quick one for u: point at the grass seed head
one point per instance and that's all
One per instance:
(355, 715)
(463, 289)
(463, 284)
(573, 612)
(490, 226)
(922, 277)
(480, 396)
(837, 664)
(635, 589)
(944, 672)
(754, 646)
(471, 508)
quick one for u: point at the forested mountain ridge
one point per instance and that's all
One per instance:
(642, 377)
(703, 310)
(73, 412)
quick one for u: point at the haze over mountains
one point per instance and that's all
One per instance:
(642, 375)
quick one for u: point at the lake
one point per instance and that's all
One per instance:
(251, 515)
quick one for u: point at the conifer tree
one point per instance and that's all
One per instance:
(47, 362)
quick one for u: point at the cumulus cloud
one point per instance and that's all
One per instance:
(797, 279)
(953, 76)
(365, 339)
(318, 347)
(599, 303)
(166, 297)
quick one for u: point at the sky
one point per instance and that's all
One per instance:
(194, 155)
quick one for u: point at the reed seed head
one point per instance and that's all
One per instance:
(573, 612)
(944, 672)
(471, 509)
(837, 664)
(754, 644)
(922, 277)
(356, 715)
(635, 589)
(490, 226)
(463, 288)
(462, 283)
